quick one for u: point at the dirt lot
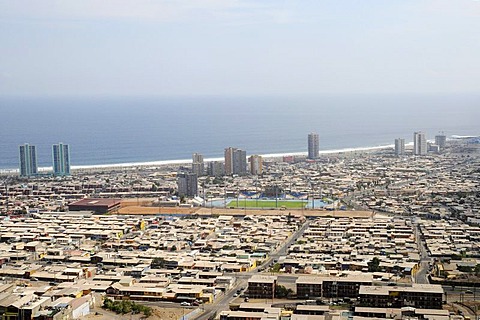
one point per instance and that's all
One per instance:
(158, 314)
(141, 206)
(155, 210)
(137, 202)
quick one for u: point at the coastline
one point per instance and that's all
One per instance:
(160, 163)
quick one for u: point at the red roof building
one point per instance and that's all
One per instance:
(97, 205)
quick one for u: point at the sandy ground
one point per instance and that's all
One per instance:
(158, 314)
(134, 209)
(141, 206)
(137, 202)
(169, 313)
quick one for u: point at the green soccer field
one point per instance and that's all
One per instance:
(249, 203)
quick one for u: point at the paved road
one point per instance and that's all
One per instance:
(421, 276)
(222, 303)
(282, 251)
(461, 293)
(463, 310)
(351, 200)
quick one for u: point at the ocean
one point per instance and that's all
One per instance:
(115, 130)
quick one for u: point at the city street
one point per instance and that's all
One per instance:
(421, 276)
(222, 303)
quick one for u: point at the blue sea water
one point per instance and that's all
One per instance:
(111, 130)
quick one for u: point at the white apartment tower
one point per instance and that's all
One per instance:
(198, 166)
(235, 161)
(313, 145)
(399, 147)
(419, 144)
(216, 169)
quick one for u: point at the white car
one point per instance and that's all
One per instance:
(184, 304)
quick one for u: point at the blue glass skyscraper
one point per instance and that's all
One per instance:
(61, 159)
(28, 160)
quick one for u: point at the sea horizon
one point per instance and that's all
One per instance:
(119, 131)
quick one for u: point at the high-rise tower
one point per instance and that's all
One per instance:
(419, 144)
(61, 159)
(198, 165)
(235, 161)
(216, 168)
(313, 145)
(28, 160)
(441, 141)
(256, 164)
(187, 184)
(399, 147)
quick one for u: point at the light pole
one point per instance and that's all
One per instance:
(204, 196)
(211, 203)
(276, 196)
(224, 194)
(6, 191)
(256, 193)
(245, 204)
(313, 195)
(238, 195)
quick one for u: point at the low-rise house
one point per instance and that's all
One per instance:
(260, 286)
(420, 296)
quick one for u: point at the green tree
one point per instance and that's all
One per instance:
(158, 263)
(117, 307)
(147, 311)
(275, 268)
(477, 269)
(107, 304)
(374, 265)
(126, 306)
(282, 292)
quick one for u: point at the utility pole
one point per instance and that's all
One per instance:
(6, 192)
(276, 196)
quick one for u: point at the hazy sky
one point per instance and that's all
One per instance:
(136, 47)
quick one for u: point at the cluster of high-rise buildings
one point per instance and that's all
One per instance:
(60, 160)
(235, 163)
(420, 145)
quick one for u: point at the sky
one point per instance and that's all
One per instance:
(238, 47)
